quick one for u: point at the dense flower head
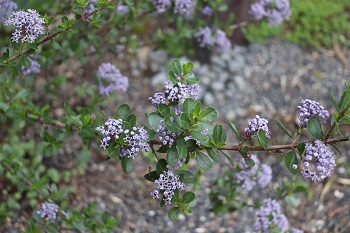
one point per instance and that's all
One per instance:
(167, 183)
(122, 9)
(318, 163)
(162, 5)
(207, 11)
(48, 211)
(111, 79)
(6, 8)
(255, 124)
(213, 39)
(28, 25)
(166, 136)
(134, 139)
(274, 10)
(183, 7)
(270, 217)
(260, 174)
(309, 108)
(33, 68)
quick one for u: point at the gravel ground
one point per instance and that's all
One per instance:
(269, 80)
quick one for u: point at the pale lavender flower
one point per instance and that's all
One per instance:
(183, 7)
(6, 8)
(33, 68)
(207, 11)
(222, 43)
(119, 48)
(122, 9)
(269, 216)
(136, 140)
(28, 25)
(204, 37)
(275, 11)
(178, 164)
(318, 162)
(110, 131)
(168, 183)
(111, 79)
(296, 230)
(162, 5)
(166, 136)
(309, 108)
(180, 91)
(90, 7)
(255, 124)
(48, 211)
(260, 174)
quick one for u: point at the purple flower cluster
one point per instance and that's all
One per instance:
(90, 7)
(269, 216)
(175, 93)
(6, 6)
(207, 11)
(165, 135)
(33, 68)
(122, 9)
(218, 39)
(48, 211)
(177, 165)
(249, 177)
(274, 10)
(162, 5)
(183, 7)
(309, 108)
(28, 25)
(119, 48)
(255, 124)
(111, 79)
(318, 163)
(135, 139)
(167, 182)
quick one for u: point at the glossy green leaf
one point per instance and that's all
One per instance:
(344, 100)
(131, 119)
(172, 126)
(219, 134)
(172, 156)
(161, 166)
(152, 176)
(262, 138)
(185, 176)
(234, 129)
(203, 161)
(173, 214)
(185, 120)
(249, 162)
(154, 120)
(55, 44)
(198, 135)
(113, 152)
(123, 111)
(127, 164)
(3, 79)
(188, 197)
(172, 77)
(213, 155)
(191, 78)
(188, 106)
(283, 128)
(181, 148)
(188, 66)
(88, 132)
(290, 159)
(314, 127)
(301, 147)
(176, 66)
(163, 110)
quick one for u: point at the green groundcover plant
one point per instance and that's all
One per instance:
(35, 125)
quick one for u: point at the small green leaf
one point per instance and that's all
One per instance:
(163, 110)
(188, 67)
(176, 66)
(188, 197)
(210, 114)
(55, 44)
(131, 118)
(219, 134)
(129, 2)
(234, 129)
(172, 156)
(172, 126)
(185, 176)
(213, 155)
(48, 150)
(344, 100)
(154, 120)
(290, 159)
(4, 106)
(314, 127)
(185, 120)
(161, 166)
(281, 126)
(198, 135)
(87, 132)
(127, 164)
(152, 176)
(21, 94)
(113, 152)
(301, 147)
(191, 79)
(123, 111)
(173, 214)
(188, 106)
(262, 138)
(249, 162)
(203, 161)
(228, 158)
(3, 79)
(172, 77)
(181, 148)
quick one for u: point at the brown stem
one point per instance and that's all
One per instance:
(49, 37)
(54, 123)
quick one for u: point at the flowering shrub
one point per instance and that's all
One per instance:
(185, 137)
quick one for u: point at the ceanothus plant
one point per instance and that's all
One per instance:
(180, 131)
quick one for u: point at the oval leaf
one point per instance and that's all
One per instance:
(176, 66)
(127, 164)
(291, 159)
(213, 155)
(161, 166)
(172, 156)
(262, 138)
(203, 161)
(154, 120)
(314, 127)
(188, 197)
(173, 214)
(122, 111)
